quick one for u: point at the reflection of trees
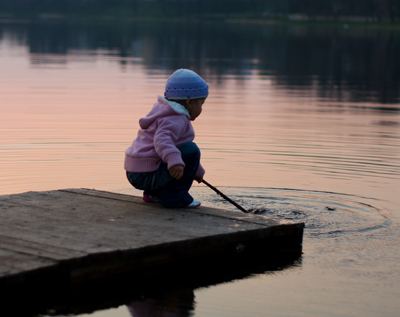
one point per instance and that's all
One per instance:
(373, 9)
(360, 65)
(345, 64)
(48, 38)
(333, 9)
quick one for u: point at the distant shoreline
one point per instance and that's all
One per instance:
(291, 19)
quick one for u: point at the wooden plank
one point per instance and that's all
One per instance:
(22, 262)
(91, 234)
(36, 248)
(259, 219)
(96, 220)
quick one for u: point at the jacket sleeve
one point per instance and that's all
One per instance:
(169, 130)
(200, 171)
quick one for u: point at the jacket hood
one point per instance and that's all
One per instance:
(162, 108)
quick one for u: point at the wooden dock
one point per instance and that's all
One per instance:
(68, 237)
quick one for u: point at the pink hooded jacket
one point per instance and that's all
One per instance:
(164, 128)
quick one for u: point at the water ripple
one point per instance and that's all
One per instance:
(324, 214)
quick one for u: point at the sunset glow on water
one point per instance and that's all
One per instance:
(286, 143)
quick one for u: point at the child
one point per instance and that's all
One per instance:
(163, 160)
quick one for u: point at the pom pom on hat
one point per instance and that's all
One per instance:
(185, 84)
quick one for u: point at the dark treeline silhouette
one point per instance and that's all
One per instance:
(367, 10)
(356, 64)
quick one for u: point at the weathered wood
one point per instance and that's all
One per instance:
(88, 234)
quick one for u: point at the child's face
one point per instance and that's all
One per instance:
(194, 106)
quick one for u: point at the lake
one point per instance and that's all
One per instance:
(302, 121)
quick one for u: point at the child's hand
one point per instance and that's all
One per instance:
(176, 171)
(198, 179)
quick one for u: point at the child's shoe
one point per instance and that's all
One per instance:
(150, 199)
(193, 204)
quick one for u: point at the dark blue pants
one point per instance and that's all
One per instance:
(172, 193)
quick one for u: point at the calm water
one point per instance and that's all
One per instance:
(303, 122)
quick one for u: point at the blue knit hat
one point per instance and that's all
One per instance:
(185, 84)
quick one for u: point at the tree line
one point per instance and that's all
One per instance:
(365, 10)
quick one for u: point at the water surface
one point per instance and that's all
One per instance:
(302, 122)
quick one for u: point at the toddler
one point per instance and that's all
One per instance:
(163, 161)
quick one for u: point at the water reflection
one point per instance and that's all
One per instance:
(173, 303)
(290, 107)
(356, 64)
(362, 108)
(165, 291)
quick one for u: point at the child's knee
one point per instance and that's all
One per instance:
(189, 148)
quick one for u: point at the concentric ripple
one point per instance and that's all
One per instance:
(323, 213)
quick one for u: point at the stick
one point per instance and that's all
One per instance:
(225, 197)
